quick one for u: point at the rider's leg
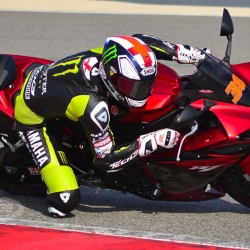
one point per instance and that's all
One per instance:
(63, 190)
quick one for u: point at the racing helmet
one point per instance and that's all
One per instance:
(128, 69)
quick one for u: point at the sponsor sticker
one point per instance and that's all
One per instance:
(124, 161)
(148, 71)
(30, 87)
(103, 142)
(236, 88)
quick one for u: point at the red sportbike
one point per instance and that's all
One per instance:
(210, 109)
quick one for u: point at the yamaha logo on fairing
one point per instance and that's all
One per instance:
(148, 71)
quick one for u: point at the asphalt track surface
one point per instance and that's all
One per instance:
(221, 222)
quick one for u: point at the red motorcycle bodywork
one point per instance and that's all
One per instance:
(6, 96)
(166, 88)
(242, 70)
(160, 102)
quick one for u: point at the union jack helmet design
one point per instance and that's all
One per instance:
(128, 69)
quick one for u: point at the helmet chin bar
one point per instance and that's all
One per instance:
(110, 91)
(125, 102)
(135, 103)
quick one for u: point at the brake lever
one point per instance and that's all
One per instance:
(194, 128)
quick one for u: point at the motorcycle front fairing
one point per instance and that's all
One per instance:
(224, 84)
(242, 70)
(207, 154)
(231, 113)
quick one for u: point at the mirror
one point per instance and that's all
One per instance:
(227, 27)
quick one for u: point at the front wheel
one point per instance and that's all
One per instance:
(236, 185)
(20, 178)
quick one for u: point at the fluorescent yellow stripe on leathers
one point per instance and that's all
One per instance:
(76, 107)
(57, 178)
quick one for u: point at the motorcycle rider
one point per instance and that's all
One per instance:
(77, 87)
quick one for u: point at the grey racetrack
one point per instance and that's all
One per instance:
(54, 36)
(236, 3)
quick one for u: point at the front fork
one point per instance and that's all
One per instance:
(245, 166)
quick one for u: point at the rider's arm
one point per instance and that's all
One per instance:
(109, 156)
(163, 50)
(176, 52)
(117, 157)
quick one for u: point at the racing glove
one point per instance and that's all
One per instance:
(188, 54)
(164, 138)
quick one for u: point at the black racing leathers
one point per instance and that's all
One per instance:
(73, 88)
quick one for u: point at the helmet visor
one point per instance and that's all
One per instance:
(134, 89)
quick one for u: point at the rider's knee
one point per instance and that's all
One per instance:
(64, 194)
(62, 203)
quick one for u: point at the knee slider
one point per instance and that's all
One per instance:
(65, 201)
(64, 194)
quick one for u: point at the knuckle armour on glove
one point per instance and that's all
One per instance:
(206, 50)
(167, 138)
(188, 54)
(164, 138)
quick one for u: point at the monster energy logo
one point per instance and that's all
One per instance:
(109, 54)
(73, 70)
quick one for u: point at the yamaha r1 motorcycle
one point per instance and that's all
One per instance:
(210, 109)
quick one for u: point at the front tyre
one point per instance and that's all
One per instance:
(236, 185)
(19, 177)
